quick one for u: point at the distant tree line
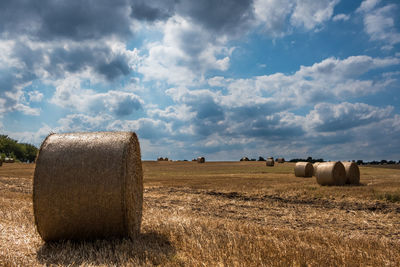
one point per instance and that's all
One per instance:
(309, 159)
(359, 162)
(375, 162)
(19, 151)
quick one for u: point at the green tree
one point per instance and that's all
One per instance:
(19, 151)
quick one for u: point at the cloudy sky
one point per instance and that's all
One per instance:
(218, 78)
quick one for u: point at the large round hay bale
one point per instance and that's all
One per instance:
(331, 173)
(88, 186)
(281, 160)
(352, 173)
(201, 160)
(303, 169)
(244, 159)
(315, 167)
(160, 159)
(270, 162)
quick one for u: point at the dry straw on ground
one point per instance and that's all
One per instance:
(88, 185)
(201, 160)
(352, 172)
(331, 173)
(270, 162)
(315, 167)
(303, 169)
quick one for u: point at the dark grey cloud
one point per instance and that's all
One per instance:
(59, 60)
(152, 10)
(271, 127)
(221, 16)
(115, 68)
(208, 115)
(83, 20)
(126, 105)
(328, 117)
(72, 20)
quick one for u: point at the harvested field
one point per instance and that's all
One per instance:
(224, 213)
(387, 166)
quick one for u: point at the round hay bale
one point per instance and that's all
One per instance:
(331, 173)
(201, 160)
(160, 159)
(88, 186)
(244, 159)
(303, 169)
(281, 160)
(270, 162)
(352, 173)
(315, 167)
(9, 160)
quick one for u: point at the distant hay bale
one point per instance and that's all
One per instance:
(352, 173)
(201, 160)
(244, 159)
(331, 173)
(270, 162)
(160, 159)
(9, 160)
(166, 159)
(315, 166)
(88, 186)
(281, 160)
(303, 169)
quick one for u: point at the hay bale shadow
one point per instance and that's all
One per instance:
(153, 248)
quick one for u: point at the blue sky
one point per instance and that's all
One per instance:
(222, 79)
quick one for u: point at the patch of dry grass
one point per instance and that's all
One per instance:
(226, 213)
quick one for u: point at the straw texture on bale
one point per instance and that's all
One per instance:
(281, 160)
(303, 169)
(331, 173)
(270, 162)
(315, 166)
(201, 160)
(88, 186)
(352, 173)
